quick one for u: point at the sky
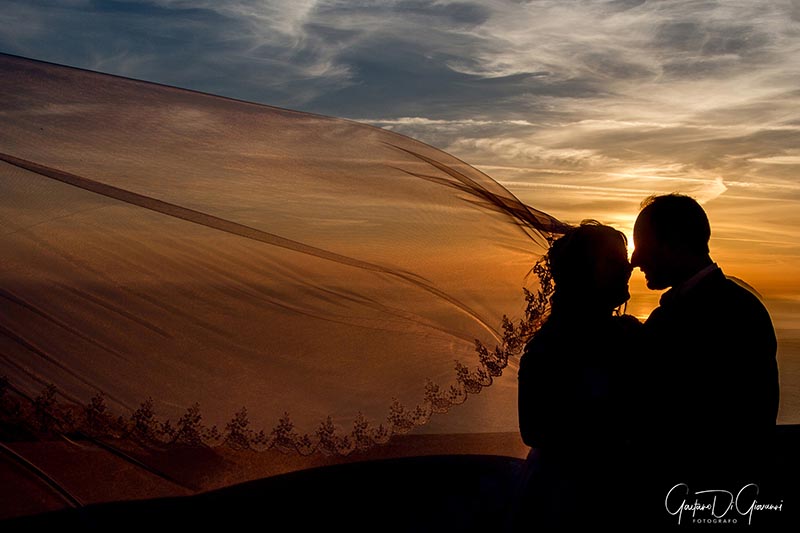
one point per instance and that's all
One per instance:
(581, 108)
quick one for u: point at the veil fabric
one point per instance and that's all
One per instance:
(166, 248)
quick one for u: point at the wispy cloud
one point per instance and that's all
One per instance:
(422, 121)
(778, 160)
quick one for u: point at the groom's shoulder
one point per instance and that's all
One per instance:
(739, 292)
(736, 300)
(725, 289)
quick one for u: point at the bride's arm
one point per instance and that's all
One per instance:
(533, 405)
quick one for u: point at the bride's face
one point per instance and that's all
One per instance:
(612, 271)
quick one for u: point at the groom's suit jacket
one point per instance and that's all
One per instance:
(711, 352)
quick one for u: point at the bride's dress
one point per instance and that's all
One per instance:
(172, 254)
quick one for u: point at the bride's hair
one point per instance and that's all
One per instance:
(572, 257)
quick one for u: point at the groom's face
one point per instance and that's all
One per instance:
(650, 255)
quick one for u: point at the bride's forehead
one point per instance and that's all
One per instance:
(617, 252)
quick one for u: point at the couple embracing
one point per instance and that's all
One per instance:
(618, 412)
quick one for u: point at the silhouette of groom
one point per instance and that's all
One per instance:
(712, 377)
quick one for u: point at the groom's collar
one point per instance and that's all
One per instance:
(678, 291)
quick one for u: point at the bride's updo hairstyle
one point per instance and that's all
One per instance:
(572, 258)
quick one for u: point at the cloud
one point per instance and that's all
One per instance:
(778, 160)
(415, 121)
(711, 190)
(526, 151)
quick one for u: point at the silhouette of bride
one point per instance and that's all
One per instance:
(575, 391)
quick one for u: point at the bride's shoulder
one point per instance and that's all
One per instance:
(628, 320)
(542, 340)
(627, 324)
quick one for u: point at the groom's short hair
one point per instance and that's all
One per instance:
(678, 221)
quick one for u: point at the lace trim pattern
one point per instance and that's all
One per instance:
(46, 415)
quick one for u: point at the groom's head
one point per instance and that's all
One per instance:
(670, 239)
